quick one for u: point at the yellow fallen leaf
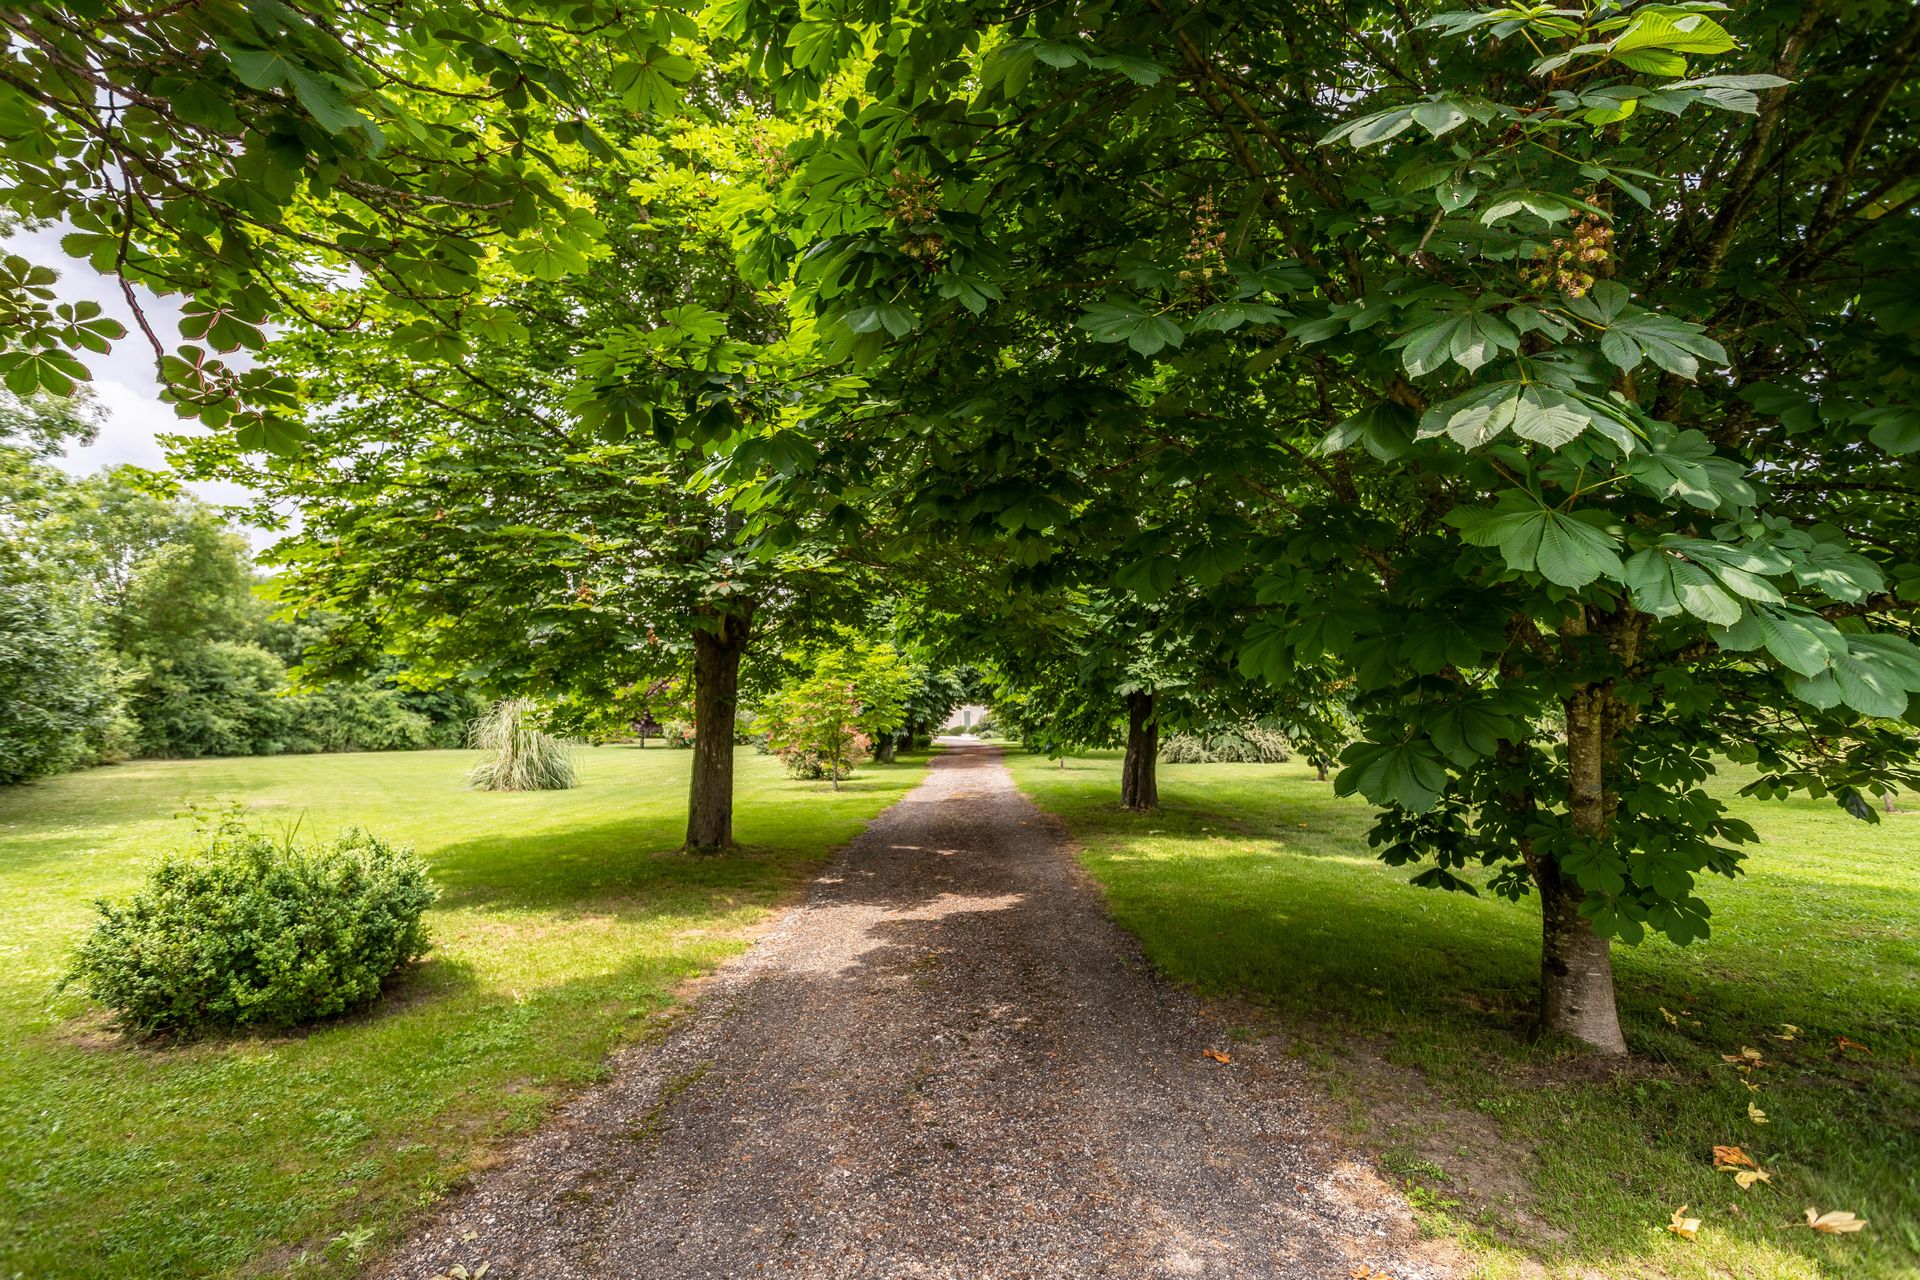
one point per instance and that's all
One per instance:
(1747, 1177)
(1755, 1114)
(1748, 1056)
(1729, 1157)
(1218, 1056)
(1683, 1226)
(1787, 1031)
(1673, 1019)
(1834, 1222)
(1751, 1086)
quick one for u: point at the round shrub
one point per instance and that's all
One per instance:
(250, 932)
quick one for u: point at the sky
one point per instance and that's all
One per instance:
(124, 383)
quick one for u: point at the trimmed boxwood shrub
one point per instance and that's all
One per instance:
(250, 932)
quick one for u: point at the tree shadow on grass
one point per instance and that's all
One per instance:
(637, 865)
(435, 978)
(1444, 984)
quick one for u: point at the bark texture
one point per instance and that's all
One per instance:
(1576, 964)
(1576, 969)
(1139, 787)
(716, 698)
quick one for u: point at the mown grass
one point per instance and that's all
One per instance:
(566, 923)
(1256, 882)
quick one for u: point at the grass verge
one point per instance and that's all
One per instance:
(567, 922)
(1255, 882)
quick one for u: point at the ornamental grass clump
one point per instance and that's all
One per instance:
(524, 758)
(250, 932)
(1235, 744)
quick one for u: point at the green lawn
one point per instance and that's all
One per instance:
(1255, 881)
(566, 923)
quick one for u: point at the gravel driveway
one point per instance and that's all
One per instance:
(949, 1062)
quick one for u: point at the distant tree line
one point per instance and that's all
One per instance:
(133, 623)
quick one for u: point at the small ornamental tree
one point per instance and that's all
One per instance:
(853, 696)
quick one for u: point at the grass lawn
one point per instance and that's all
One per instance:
(1254, 881)
(565, 924)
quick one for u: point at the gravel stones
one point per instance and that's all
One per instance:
(948, 1063)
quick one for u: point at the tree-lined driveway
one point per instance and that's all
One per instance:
(949, 1062)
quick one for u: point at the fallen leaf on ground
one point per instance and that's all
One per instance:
(1747, 1177)
(1673, 1019)
(1787, 1031)
(1218, 1056)
(1845, 1044)
(1683, 1226)
(1834, 1222)
(1755, 1114)
(1728, 1157)
(1747, 1055)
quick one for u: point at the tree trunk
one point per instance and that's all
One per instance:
(1576, 964)
(1139, 791)
(884, 748)
(716, 696)
(1576, 970)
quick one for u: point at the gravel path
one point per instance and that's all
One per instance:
(949, 1062)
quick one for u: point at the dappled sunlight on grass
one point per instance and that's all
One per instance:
(1255, 881)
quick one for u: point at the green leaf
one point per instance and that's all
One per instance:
(1439, 118)
(1149, 577)
(1842, 574)
(1655, 62)
(1370, 130)
(318, 92)
(1455, 196)
(1873, 688)
(1562, 549)
(1729, 93)
(1685, 465)
(1469, 730)
(1469, 339)
(1541, 204)
(1682, 33)
(1222, 317)
(1664, 585)
(1804, 643)
(1410, 775)
(1674, 345)
(1573, 553)
(547, 259)
(1125, 322)
(1895, 428)
(1532, 412)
